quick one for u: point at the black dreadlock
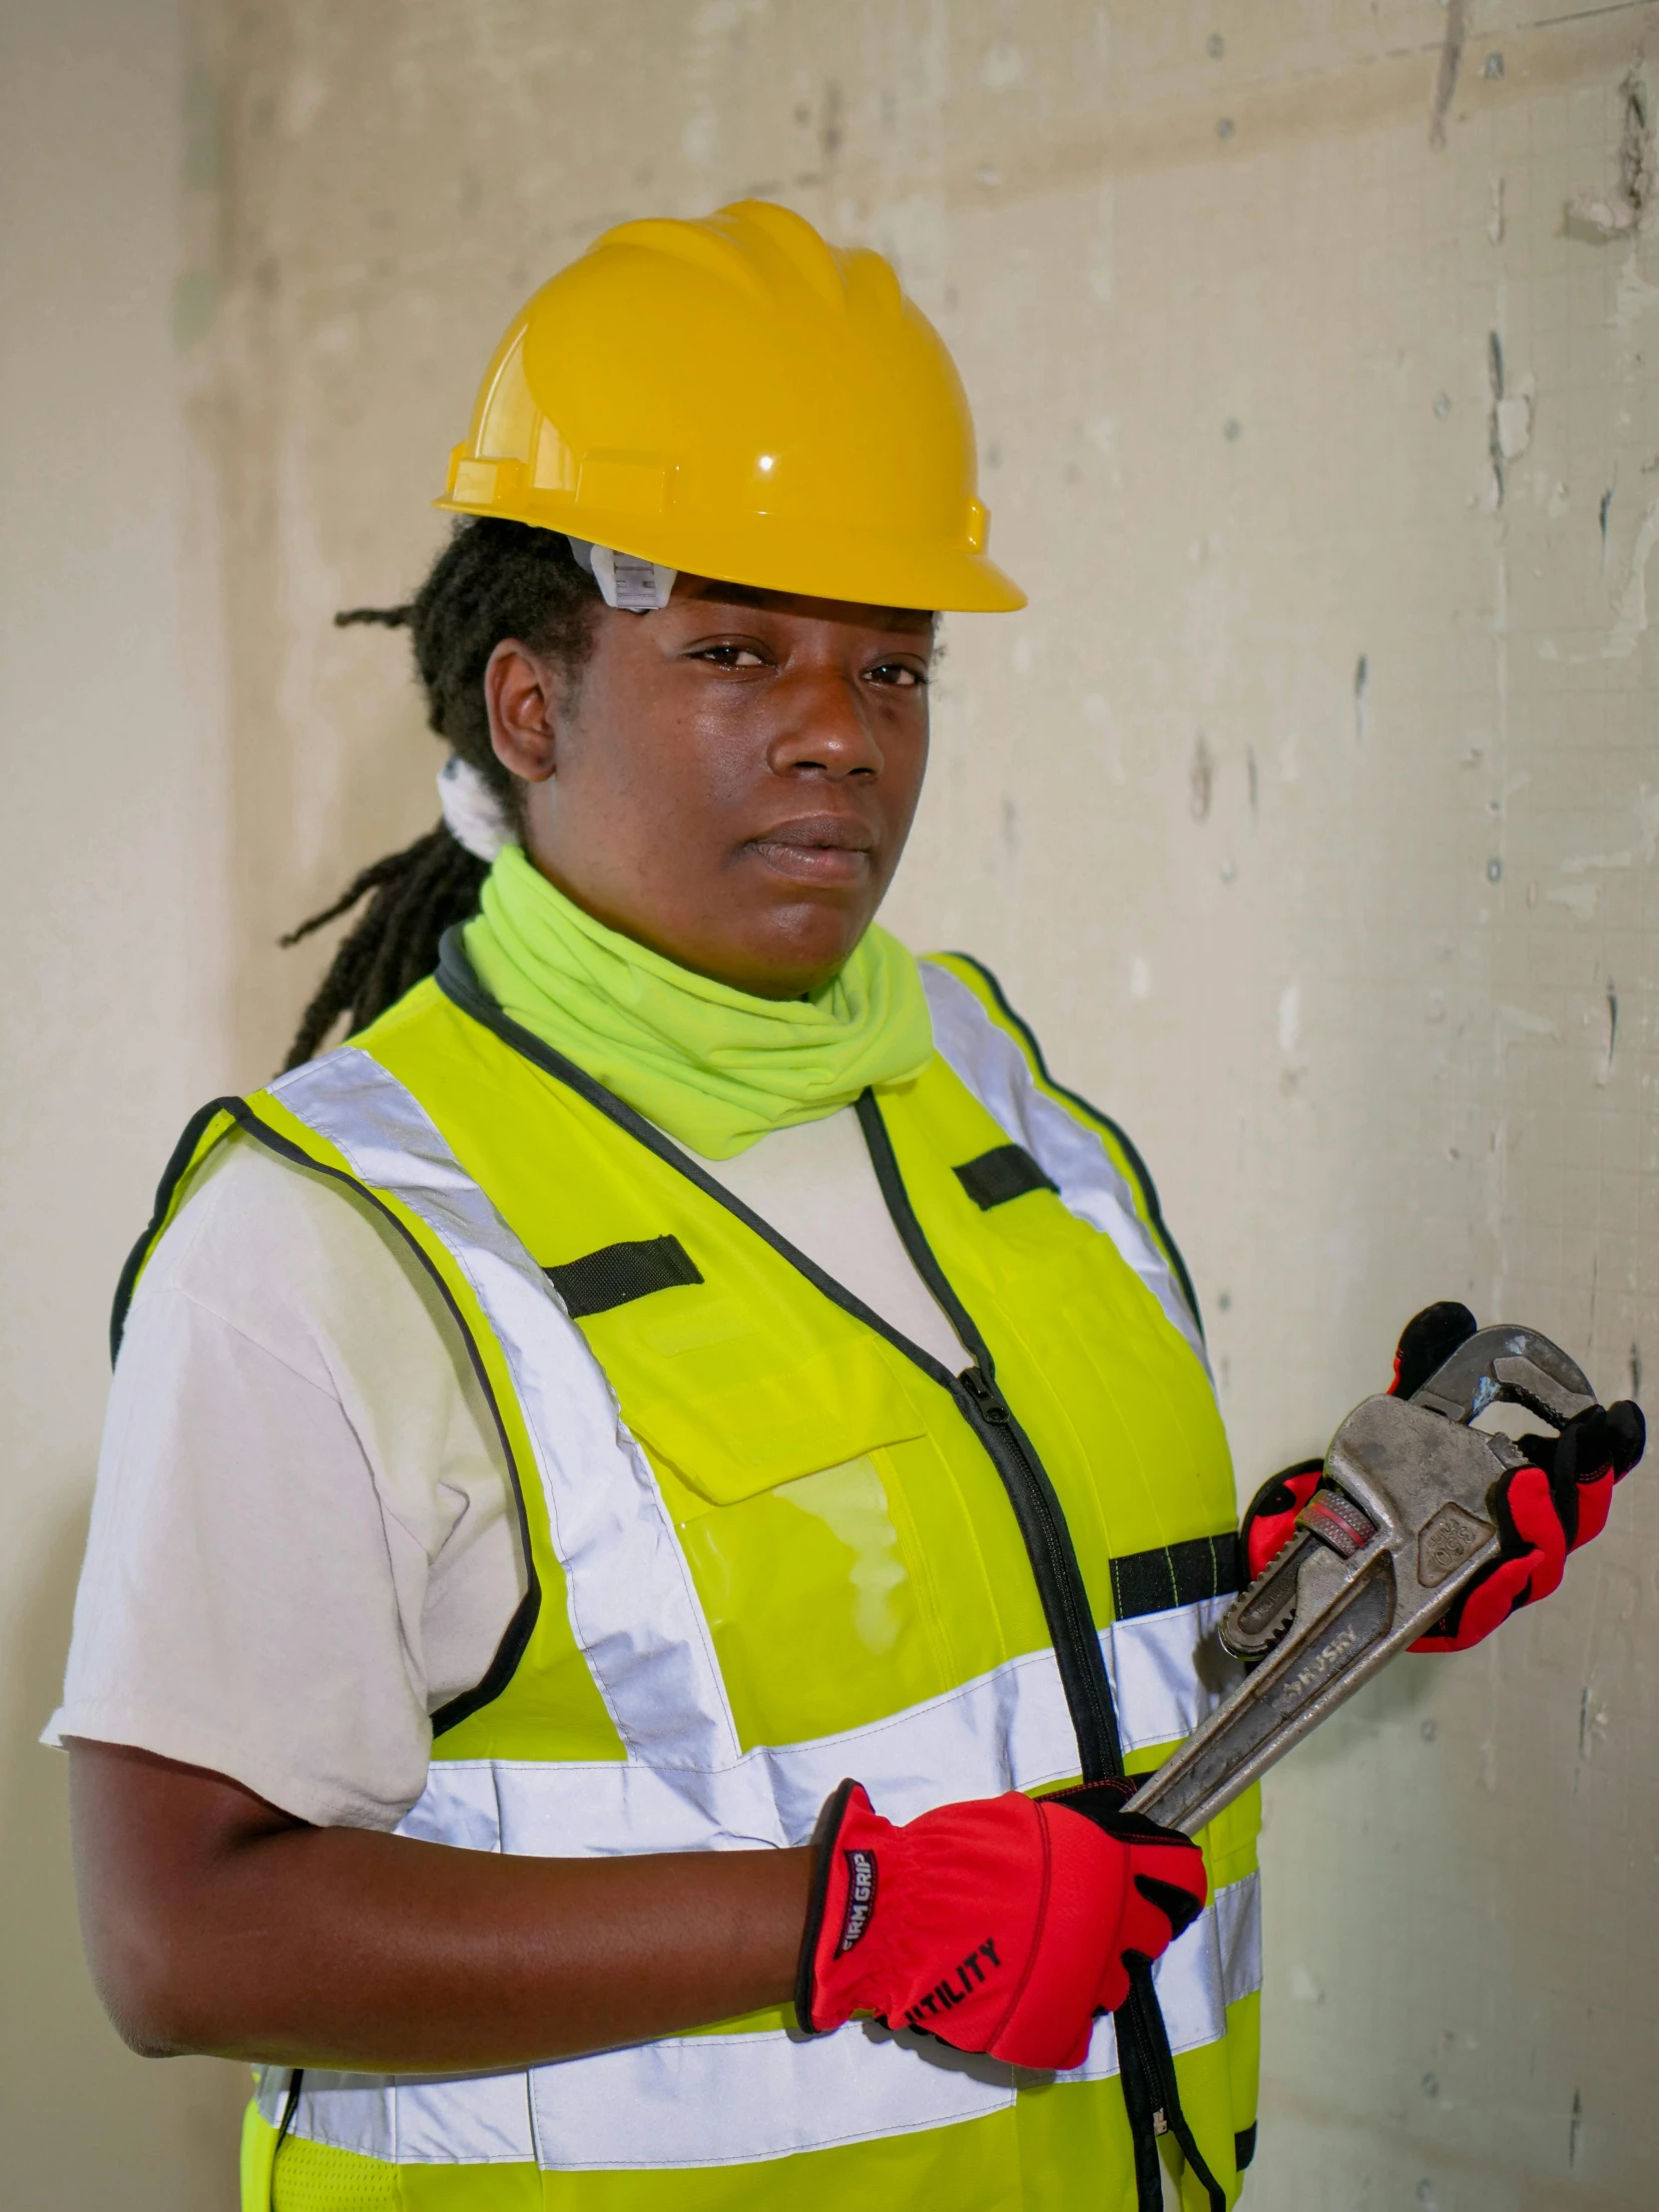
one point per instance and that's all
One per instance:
(493, 580)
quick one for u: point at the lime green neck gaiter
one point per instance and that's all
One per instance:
(713, 1066)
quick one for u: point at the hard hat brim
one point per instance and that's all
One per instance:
(779, 554)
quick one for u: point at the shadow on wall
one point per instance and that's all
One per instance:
(172, 2125)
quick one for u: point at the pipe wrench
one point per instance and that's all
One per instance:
(1400, 1525)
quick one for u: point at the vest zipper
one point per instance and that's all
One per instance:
(1042, 1521)
(1048, 1546)
(1042, 1526)
(1151, 2094)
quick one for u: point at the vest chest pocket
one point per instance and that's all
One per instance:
(763, 1421)
(784, 1480)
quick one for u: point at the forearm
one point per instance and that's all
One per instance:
(342, 1948)
(348, 1950)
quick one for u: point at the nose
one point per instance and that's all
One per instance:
(824, 727)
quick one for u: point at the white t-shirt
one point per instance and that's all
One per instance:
(302, 1538)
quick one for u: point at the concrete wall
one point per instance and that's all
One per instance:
(1310, 812)
(113, 1014)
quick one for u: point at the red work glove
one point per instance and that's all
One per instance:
(1543, 1511)
(1001, 1925)
(1427, 1341)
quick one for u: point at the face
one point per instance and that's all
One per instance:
(732, 781)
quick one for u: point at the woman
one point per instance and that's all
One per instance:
(681, 1356)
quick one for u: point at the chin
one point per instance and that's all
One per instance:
(815, 952)
(794, 969)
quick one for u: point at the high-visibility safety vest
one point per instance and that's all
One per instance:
(770, 1543)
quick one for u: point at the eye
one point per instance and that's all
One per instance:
(730, 656)
(899, 674)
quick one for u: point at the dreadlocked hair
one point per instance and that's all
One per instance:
(493, 580)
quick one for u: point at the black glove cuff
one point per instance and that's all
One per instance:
(1110, 1805)
(1427, 1341)
(1627, 1436)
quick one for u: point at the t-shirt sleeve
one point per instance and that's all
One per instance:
(237, 1608)
(290, 1471)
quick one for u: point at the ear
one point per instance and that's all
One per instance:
(521, 697)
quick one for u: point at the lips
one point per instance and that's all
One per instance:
(819, 848)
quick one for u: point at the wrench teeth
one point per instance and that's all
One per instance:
(1256, 1641)
(1276, 1628)
(1259, 1617)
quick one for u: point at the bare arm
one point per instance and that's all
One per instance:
(215, 1923)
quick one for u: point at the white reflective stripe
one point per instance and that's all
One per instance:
(722, 2101)
(996, 1071)
(633, 1609)
(684, 1783)
(1239, 1927)
(1152, 1660)
(632, 1606)
(728, 2100)
(1006, 1730)
(468, 2119)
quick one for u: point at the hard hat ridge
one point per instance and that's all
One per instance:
(769, 253)
(762, 230)
(736, 399)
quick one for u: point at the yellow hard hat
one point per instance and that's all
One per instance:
(736, 399)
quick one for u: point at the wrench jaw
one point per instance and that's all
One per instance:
(1507, 1364)
(1399, 1527)
(1495, 1365)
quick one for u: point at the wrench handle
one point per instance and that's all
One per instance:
(1294, 1689)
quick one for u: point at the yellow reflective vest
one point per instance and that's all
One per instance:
(770, 1542)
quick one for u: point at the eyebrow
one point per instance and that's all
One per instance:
(768, 602)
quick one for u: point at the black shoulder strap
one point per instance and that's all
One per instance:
(178, 1166)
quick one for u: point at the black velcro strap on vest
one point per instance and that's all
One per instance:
(1244, 2146)
(618, 1274)
(1174, 1574)
(1006, 1171)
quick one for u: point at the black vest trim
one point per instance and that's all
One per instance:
(182, 1154)
(1006, 1171)
(1143, 1174)
(517, 1633)
(1174, 1574)
(618, 1274)
(1244, 2146)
